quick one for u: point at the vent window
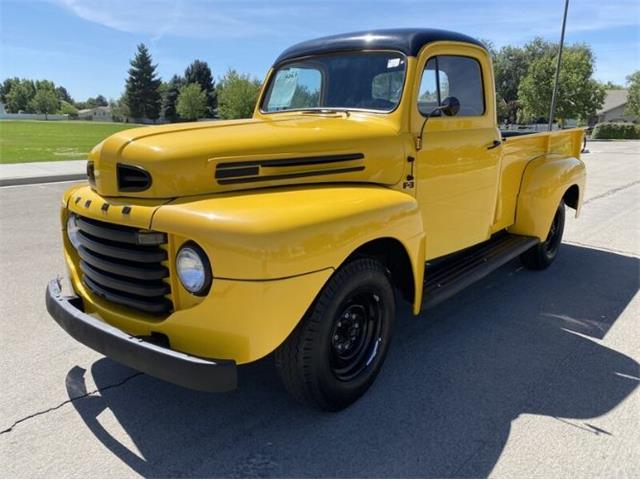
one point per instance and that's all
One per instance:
(91, 173)
(132, 179)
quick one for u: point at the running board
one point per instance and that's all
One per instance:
(445, 277)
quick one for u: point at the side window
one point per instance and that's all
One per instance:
(295, 87)
(452, 76)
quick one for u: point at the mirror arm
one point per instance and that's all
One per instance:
(429, 115)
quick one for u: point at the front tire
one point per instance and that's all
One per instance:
(335, 353)
(541, 256)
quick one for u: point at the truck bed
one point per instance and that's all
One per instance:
(518, 151)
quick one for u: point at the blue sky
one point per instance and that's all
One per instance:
(85, 45)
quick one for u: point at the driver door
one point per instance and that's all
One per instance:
(458, 166)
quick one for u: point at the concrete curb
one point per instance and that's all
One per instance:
(8, 182)
(30, 173)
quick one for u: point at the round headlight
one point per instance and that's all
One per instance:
(72, 231)
(193, 269)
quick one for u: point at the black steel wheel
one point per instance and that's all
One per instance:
(335, 353)
(355, 336)
(542, 255)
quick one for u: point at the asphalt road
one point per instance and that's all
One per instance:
(522, 375)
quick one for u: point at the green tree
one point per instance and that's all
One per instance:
(510, 66)
(45, 100)
(200, 73)
(171, 97)
(237, 95)
(20, 96)
(67, 108)
(63, 95)
(98, 101)
(192, 102)
(142, 90)
(613, 86)
(119, 110)
(579, 95)
(6, 86)
(633, 99)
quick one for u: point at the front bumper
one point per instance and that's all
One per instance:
(197, 373)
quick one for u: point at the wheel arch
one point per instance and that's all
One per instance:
(572, 197)
(404, 268)
(545, 182)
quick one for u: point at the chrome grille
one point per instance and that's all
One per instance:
(117, 267)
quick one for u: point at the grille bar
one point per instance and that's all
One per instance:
(116, 283)
(113, 233)
(155, 307)
(115, 267)
(127, 253)
(126, 270)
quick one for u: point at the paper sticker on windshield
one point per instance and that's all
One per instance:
(283, 89)
(393, 62)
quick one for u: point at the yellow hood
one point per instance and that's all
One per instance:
(220, 156)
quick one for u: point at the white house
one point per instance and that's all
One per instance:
(98, 114)
(613, 110)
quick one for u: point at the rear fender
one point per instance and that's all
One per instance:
(545, 181)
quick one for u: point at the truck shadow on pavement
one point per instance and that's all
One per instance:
(516, 343)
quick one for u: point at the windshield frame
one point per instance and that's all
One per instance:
(289, 61)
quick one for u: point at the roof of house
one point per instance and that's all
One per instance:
(93, 109)
(613, 99)
(406, 40)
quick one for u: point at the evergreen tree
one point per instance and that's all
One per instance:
(200, 73)
(171, 97)
(142, 90)
(63, 95)
(98, 101)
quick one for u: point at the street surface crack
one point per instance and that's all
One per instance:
(79, 397)
(613, 191)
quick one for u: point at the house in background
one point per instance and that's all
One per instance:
(98, 114)
(613, 110)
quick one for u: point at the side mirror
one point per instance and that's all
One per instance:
(450, 106)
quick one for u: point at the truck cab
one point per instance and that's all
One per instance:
(373, 164)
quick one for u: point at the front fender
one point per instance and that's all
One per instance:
(545, 181)
(271, 234)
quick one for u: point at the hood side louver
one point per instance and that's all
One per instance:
(285, 168)
(132, 179)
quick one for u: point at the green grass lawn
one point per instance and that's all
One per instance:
(39, 141)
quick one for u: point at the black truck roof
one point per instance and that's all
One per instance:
(406, 40)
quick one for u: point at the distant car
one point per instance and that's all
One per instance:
(373, 163)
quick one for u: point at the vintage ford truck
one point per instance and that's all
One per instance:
(372, 170)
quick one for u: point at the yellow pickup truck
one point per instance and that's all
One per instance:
(373, 170)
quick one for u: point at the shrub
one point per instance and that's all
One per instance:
(68, 109)
(616, 131)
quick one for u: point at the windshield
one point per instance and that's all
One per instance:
(369, 81)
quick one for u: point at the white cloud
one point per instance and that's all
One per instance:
(196, 19)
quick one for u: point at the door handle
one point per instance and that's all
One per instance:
(495, 144)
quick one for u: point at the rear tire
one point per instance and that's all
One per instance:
(335, 353)
(543, 254)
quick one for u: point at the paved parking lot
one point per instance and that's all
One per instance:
(522, 375)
